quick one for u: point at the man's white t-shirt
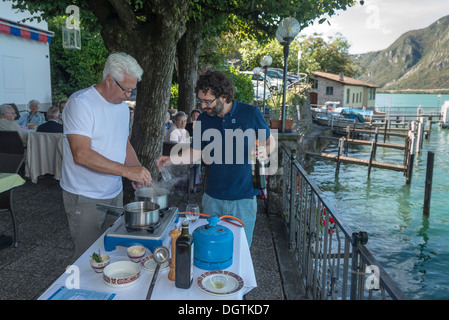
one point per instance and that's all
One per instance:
(87, 113)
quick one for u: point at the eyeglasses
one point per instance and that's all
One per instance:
(206, 102)
(123, 89)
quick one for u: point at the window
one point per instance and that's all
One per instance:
(314, 83)
(348, 94)
(330, 91)
(371, 93)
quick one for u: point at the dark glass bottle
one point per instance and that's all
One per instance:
(259, 172)
(184, 258)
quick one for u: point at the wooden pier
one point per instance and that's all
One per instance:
(366, 162)
(413, 143)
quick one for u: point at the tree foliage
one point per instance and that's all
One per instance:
(72, 70)
(316, 55)
(150, 31)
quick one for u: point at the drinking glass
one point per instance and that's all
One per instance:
(192, 213)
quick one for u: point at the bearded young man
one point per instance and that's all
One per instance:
(234, 126)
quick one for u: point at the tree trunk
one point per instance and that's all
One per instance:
(188, 52)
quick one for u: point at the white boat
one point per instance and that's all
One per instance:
(341, 117)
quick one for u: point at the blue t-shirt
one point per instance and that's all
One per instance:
(229, 141)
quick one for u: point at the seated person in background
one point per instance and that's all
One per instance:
(61, 105)
(7, 123)
(168, 123)
(33, 116)
(189, 126)
(52, 125)
(131, 106)
(177, 132)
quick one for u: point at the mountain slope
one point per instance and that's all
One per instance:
(419, 59)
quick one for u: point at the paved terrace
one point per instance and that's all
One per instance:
(45, 247)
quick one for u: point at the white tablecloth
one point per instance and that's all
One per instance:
(164, 288)
(43, 155)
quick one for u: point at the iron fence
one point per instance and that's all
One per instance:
(333, 260)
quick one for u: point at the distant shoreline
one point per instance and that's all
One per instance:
(412, 91)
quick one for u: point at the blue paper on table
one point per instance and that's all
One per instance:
(80, 294)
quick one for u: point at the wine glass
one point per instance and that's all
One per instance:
(192, 212)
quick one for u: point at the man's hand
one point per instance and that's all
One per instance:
(261, 154)
(140, 176)
(163, 161)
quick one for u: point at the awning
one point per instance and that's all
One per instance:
(20, 30)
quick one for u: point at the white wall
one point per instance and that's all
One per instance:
(24, 65)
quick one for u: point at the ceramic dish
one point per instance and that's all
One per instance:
(99, 266)
(136, 253)
(121, 274)
(233, 284)
(149, 264)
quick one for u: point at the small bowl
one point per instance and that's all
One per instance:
(99, 266)
(218, 281)
(136, 253)
(121, 274)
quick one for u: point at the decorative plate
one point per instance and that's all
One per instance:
(233, 285)
(149, 264)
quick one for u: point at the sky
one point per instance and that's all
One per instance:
(378, 23)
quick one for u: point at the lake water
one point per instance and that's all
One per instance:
(412, 248)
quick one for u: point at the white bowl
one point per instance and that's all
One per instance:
(121, 274)
(136, 253)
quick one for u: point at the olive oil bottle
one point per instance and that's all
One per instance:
(184, 258)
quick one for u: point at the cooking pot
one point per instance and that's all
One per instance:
(158, 196)
(137, 214)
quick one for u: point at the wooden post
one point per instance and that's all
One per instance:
(373, 151)
(421, 120)
(428, 186)
(337, 169)
(419, 137)
(411, 157)
(375, 140)
(385, 130)
(406, 152)
(410, 169)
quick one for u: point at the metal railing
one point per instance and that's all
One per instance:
(408, 110)
(333, 260)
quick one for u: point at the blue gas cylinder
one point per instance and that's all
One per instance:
(213, 246)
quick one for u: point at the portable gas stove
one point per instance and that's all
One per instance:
(150, 237)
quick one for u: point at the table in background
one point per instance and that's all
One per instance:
(43, 155)
(9, 181)
(164, 289)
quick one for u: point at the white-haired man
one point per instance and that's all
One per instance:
(7, 123)
(97, 152)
